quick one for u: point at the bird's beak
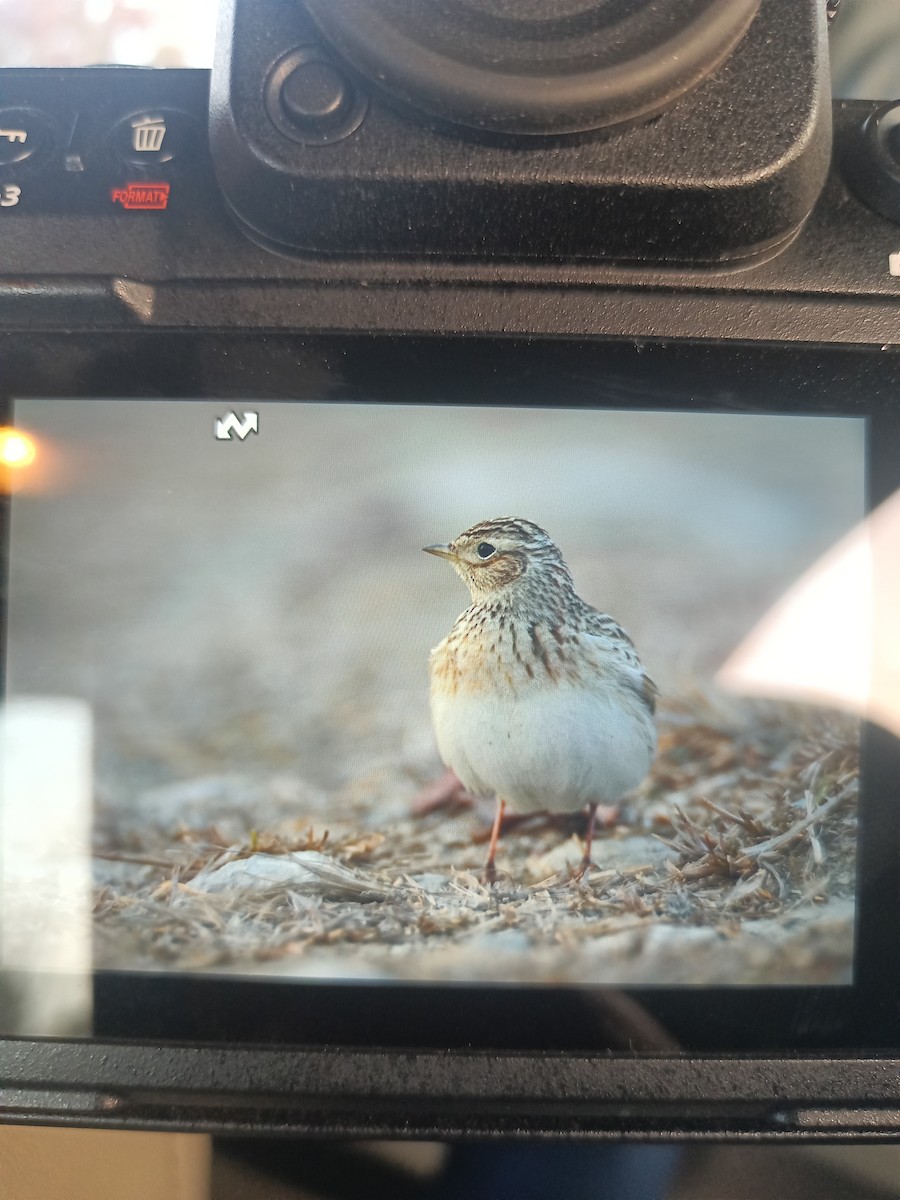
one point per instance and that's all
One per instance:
(440, 551)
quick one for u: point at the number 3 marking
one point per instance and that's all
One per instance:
(9, 195)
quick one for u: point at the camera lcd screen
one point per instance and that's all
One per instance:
(250, 736)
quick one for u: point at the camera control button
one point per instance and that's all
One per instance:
(310, 99)
(24, 134)
(315, 94)
(154, 138)
(892, 138)
(872, 161)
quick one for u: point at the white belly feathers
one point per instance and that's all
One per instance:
(556, 747)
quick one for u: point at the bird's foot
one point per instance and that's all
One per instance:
(603, 816)
(579, 873)
(497, 877)
(446, 792)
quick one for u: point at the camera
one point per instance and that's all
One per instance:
(597, 301)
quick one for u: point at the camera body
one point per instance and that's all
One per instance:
(138, 238)
(325, 230)
(730, 171)
(723, 199)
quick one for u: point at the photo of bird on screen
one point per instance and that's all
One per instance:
(317, 752)
(537, 698)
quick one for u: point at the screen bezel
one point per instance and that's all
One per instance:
(591, 373)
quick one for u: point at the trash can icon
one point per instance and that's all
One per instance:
(147, 134)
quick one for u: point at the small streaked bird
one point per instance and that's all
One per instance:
(537, 699)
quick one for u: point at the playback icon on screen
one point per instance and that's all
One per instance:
(233, 426)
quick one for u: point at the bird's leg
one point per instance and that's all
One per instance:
(513, 821)
(490, 871)
(569, 822)
(588, 839)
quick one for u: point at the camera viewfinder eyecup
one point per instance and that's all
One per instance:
(541, 67)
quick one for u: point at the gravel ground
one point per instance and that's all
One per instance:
(743, 873)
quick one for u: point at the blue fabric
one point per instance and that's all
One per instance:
(558, 1171)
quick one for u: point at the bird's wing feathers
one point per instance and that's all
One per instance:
(615, 642)
(648, 691)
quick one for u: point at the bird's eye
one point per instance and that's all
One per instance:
(484, 549)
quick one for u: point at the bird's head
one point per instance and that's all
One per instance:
(501, 554)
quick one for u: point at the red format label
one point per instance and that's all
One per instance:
(144, 196)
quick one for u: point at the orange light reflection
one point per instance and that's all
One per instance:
(17, 448)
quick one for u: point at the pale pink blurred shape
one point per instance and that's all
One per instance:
(70, 33)
(834, 637)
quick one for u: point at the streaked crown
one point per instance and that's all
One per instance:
(494, 554)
